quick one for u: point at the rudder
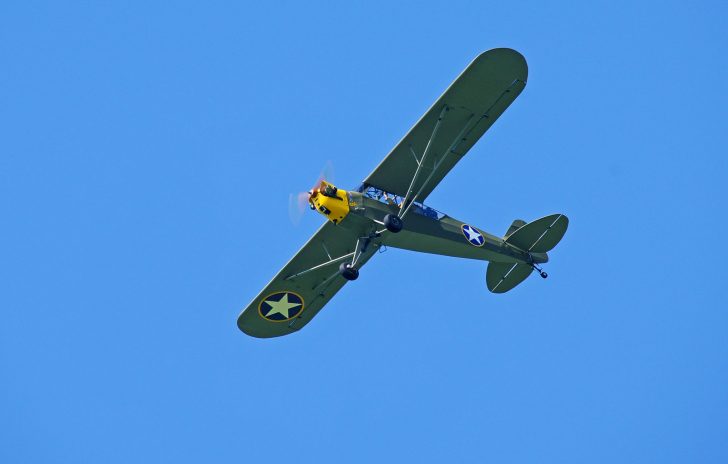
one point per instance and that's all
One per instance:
(517, 224)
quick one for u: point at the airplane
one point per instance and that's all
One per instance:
(387, 209)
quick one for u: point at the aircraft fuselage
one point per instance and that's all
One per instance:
(424, 229)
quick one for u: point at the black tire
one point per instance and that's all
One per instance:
(348, 272)
(393, 223)
(544, 275)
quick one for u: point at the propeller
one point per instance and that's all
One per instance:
(327, 174)
(298, 202)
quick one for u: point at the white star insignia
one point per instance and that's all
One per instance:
(472, 234)
(282, 307)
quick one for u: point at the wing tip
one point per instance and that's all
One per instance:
(247, 324)
(256, 333)
(508, 58)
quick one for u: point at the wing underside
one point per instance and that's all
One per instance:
(304, 285)
(465, 111)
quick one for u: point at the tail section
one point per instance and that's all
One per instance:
(502, 277)
(517, 224)
(539, 236)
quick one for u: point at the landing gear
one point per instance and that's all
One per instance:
(540, 271)
(393, 223)
(348, 272)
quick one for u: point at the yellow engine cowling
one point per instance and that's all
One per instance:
(330, 201)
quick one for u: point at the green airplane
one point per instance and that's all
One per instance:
(387, 209)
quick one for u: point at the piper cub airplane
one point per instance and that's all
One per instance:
(387, 209)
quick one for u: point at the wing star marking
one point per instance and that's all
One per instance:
(282, 306)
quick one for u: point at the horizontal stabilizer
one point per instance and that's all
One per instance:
(502, 277)
(540, 235)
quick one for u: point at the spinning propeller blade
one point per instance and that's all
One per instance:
(297, 205)
(298, 202)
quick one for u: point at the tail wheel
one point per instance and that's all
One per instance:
(348, 272)
(393, 223)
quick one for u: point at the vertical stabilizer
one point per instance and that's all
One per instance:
(517, 224)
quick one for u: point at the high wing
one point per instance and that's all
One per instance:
(412, 169)
(298, 292)
(465, 111)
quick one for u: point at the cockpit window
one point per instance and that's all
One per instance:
(392, 199)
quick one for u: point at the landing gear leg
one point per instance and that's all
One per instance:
(540, 271)
(536, 268)
(347, 269)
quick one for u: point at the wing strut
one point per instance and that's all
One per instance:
(469, 124)
(319, 266)
(364, 241)
(450, 149)
(422, 161)
(362, 245)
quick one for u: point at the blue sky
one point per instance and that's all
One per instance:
(146, 158)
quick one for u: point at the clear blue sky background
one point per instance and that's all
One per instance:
(136, 140)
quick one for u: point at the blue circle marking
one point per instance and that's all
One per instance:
(281, 306)
(473, 235)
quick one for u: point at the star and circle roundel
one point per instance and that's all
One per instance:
(281, 306)
(472, 235)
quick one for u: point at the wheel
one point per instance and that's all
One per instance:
(393, 223)
(348, 272)
(544, 275)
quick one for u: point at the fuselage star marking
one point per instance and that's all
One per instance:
(473, 236)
